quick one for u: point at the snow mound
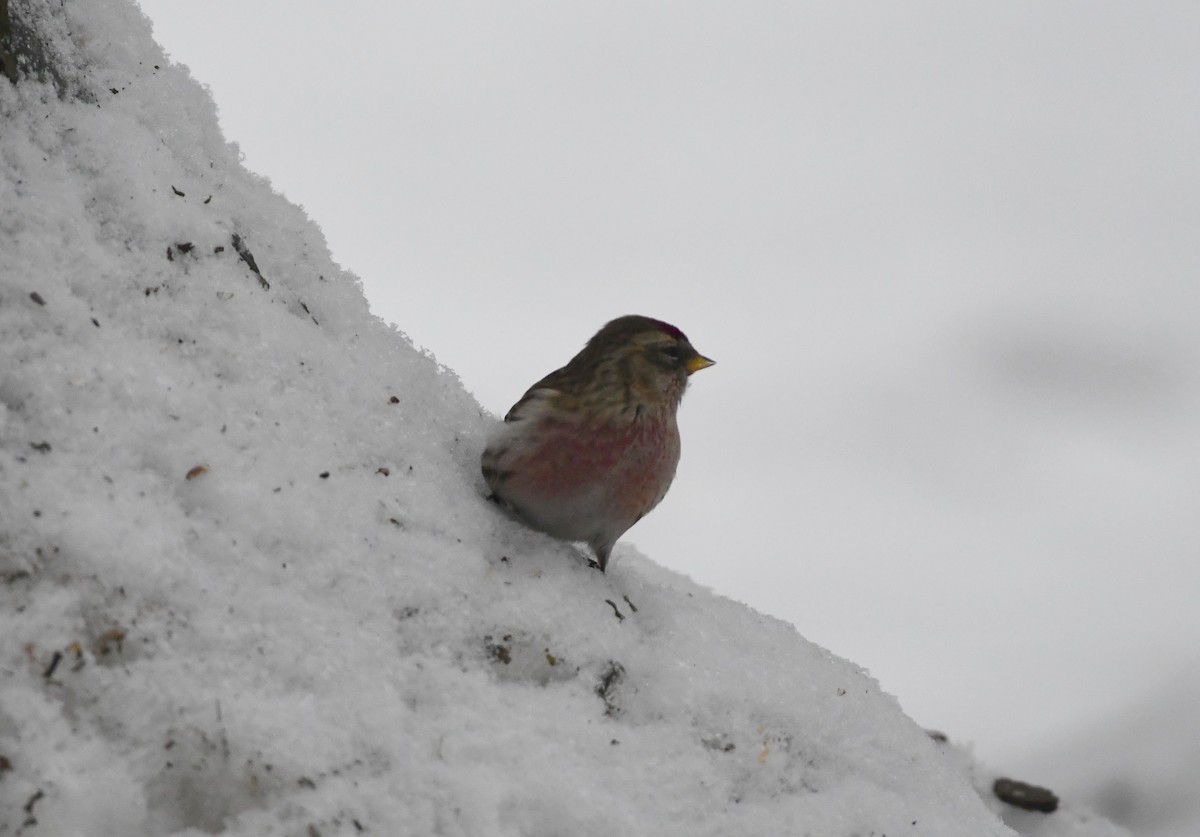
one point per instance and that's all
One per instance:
(248, 581)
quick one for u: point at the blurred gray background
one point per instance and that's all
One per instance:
(945, 256)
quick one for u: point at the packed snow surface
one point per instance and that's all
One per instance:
(249, 583)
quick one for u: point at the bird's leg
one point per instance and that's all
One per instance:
(601, 557)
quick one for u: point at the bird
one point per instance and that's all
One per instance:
(592, 447)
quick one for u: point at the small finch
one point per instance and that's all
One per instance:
(592, 447)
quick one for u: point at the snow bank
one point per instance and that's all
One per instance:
(248, 582)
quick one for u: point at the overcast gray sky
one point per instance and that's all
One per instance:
(945, 255)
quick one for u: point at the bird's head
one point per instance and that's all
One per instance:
(639, 362)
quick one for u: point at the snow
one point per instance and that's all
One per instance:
(249, 584)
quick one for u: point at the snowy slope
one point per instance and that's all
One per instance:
(248, 583)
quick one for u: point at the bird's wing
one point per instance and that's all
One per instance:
(531, 403)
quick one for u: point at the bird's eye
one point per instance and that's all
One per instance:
(672, 351)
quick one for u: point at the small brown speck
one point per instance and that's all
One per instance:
(324, 475)
(36, 297)
(195, 472)
(105, 642)
(1026, 796)
(177, 192)
(384, 471)
(394, 400)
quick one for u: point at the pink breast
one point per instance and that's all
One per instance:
(626, 468)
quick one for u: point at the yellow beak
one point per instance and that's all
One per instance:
(698, 362)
